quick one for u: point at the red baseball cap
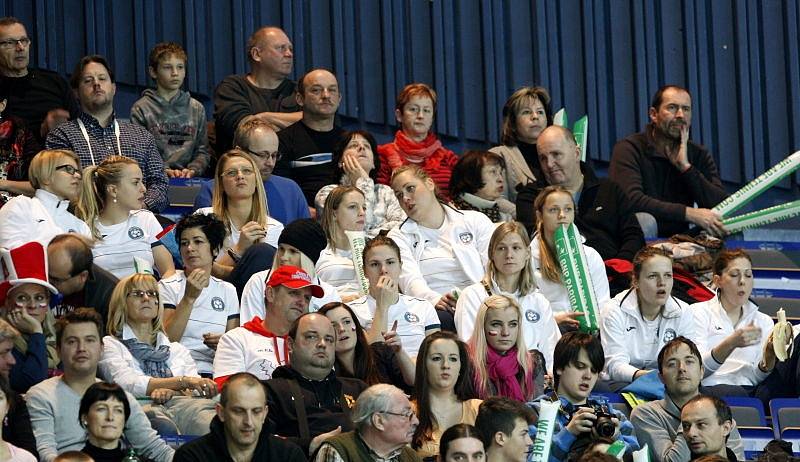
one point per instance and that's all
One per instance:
(294, 278)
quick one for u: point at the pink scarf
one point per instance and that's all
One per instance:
(503, 373)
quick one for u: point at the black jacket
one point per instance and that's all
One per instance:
(213, 447)
(655, 186)
(604, 216)
(326, 403)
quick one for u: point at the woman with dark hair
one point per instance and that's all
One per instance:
(444, 250)
(103, 413)
(7, 450)
(415, 143)
(356, 163)
(142, 360)
(379, 361)
(461, 443)
(526, 113)
(443, 391)
(477, 184)
(736, 334)
(638, 322)
(554, 207)
(198, 307)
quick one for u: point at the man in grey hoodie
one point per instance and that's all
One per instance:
(176, 120)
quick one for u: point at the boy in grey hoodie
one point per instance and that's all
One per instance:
(176, 120)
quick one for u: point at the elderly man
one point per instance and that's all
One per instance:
(664, 174)
(308, 403)
(706, 422)
(307, 146)
(657, 423)
(266, 92)
(97, 133)
(603, 216)
(385, 424)
(237, 431)
(285, 200)
(39, 97)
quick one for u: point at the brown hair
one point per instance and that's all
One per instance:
(118, 304)
(550, 267)
(164, 50)
(644, 254)
(525, 282)
(509, 129)
(332, 202)
(415, 90)
(219, 199)
(726, 256)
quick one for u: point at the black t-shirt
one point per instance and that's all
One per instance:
(306, 157)
(32, 96)
(531, 155)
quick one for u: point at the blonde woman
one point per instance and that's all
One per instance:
(509, 273)
(55, 174)
(345, 210)
(112, 204)
(554, 207)
(139, 357)
(240, 203)
(503, 365)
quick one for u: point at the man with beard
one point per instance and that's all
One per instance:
(385, 424)
(664, 174)
(97, 133)
(658, 423)
(307, 402)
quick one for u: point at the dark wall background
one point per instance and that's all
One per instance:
(605, 58)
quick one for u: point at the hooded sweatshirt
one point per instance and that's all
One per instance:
(179, 127)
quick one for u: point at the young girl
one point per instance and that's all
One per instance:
(112, 204)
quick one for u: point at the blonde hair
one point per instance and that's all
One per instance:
(305, 263)
(43, 165)
(96, 179)
(219, 199)
(118, 304)
(478, 346)
(332, 202)
(525, 282)
(418, 173)
(550, 267)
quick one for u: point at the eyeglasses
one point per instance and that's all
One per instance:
(408, 414)
(12, 43)
(58, 280)
(136, 293)
(69, 169)
(234, 172)
(276, 156)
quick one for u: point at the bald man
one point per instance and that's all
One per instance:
(603, 214)
(266, 92)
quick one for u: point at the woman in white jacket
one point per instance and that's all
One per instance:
(555, 206)
(638, 322)
(56, 176)
(443, 250)
(735, 333)
(509, 273)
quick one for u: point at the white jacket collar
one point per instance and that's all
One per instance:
(628, 301)
(50, 200)
(716, 306)
(412, 227)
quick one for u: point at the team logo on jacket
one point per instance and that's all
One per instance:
(669, 335)
(411, 317)
(135, 232)
(532, 316)
(465, 237)
(217, 304)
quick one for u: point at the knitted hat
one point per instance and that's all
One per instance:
(306, 235)
(26, 264)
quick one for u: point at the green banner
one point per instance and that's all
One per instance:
(754, 189)
(762, 217)
(540, 451)
(581, 132)
(576, 277)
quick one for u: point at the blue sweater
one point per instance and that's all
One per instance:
(563, 440)
(285, 200)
